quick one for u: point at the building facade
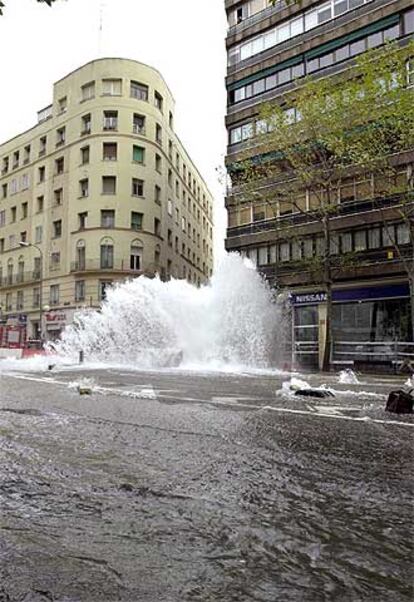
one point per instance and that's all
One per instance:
(100, 190)
(270, 49)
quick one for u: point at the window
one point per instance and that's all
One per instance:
(62, 104)
(55, 261)
(13, 214)
(157, 227)
(107, 255)
(60, 136)
(60, 165)
(26, 155)
(82, 218)
(136, 220)
(169, 237)
(79, 290)
(139, 91)
(137, 187)
(80, 255)
(104, 285)
(346, 242)
(4, 191)
(112, 87)
(409, 22)
(84, 187)
(40, 203)
(357, 47)
(374, 238)
(138, 124)
(36, 297)
(2, 217)
(9, 302)
(86, 124)
(158, 133)
(157, 194)
(5, 167)
(158, 100)
(170, 207)
(107, 218)
(42, 146)
(183, 224)
(170, 149)
(25, 182)
(360, 241)
(88, 91)
(16, 156)
(108, 185)
(110, 151)
(136, 255)
(37, 268)
(20, 300)
(58, 196)
(158, 163)
(138, 154)
(54, 294)
(57, 228)
(85, 155)
(24, 210)
(38, 234)
(403, 234)
(110, 120)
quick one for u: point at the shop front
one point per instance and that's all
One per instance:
(370, 324)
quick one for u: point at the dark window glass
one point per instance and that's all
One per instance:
(340, 7)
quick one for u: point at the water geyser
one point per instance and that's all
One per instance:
(148, 323)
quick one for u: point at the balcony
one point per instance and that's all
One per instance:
(19, 279)
(94, 265)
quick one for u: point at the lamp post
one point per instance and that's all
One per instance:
(29, 244)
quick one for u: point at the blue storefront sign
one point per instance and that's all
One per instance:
(366, 293)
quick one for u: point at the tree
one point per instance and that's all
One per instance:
(48, 2)
(326, 131)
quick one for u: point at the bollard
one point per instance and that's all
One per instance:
(81, 356)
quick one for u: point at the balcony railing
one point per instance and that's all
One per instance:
(96, 265)
(19, 278)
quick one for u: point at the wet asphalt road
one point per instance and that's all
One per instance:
(170, 487)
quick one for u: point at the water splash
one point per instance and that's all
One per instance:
(148, 323)
(348, 377)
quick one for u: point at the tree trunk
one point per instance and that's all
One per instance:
(326, 358)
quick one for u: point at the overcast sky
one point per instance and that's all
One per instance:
(183, 39)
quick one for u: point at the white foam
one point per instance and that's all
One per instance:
(348, 377)
(229, 324)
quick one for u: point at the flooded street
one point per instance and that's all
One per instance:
(173, 486)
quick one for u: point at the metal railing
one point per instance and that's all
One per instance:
(393, 352)
(19, 278)
(92, 265)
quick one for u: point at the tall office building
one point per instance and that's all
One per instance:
(100, 190)
(270, 49)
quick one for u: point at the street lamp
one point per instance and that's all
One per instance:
(29, 244)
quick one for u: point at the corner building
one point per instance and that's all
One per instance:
(270, 49)
(105, 190)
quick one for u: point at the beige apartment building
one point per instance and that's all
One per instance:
(100, 190)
